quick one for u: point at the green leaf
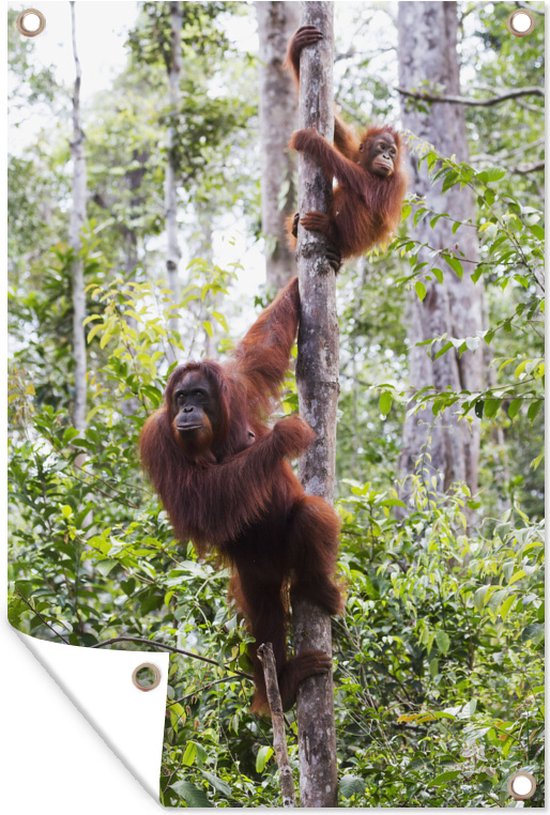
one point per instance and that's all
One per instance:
(443, 641)
(514, 407)
(467, 710)
(508, 744)
(93, 331)
(506, 606)
(105, 339)
(534, 631)
(455, 265)
(491, 174)
(262, 757)
(218, 784)
(69, 434)
(393, 502)
(480, 597)
(420, 290)
(193, 796)
(351, 785)
(522, 280)
(220, 318)
(451, 179)
(491, 408)
(24, 588)
(537, 231)
(385, 402)
(444, 348)
(431, 158)
(521, 368)
(190, 754)
(534, 409)
(105, 567)
(420, 212)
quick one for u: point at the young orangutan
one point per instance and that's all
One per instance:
(371, 184)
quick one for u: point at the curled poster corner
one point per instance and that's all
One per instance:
(100, 684)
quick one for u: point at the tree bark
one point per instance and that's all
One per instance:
(317, 378)
(442, 445)
(278, 118)
(173, 252)
(77, 220)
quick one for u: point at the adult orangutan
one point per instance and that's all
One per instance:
(366, 203)
(223, 476)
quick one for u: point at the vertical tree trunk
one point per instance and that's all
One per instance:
(77, 219)
(133, 180)
(173, 252)
(204, 249)
(446, 447)
(317, 377)
(278, 117)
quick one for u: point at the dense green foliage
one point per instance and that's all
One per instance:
(439, 659)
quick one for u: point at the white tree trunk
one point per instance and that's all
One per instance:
(173, 252)
(77, 219)
(446, 447)
(277, 21)
(317, 377)
(204, 250)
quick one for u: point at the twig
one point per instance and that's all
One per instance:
(200, 690)
(266, 657)
(42, 618)
(464, 100)
(524, 169)
(172, 649)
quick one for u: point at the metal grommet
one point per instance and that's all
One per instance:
(146, 676)
(520, 23)
(31, 22)
(522, 785)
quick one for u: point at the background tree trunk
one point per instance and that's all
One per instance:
(317, 377)
(278, 118)
(173, 252)
(204, 250)
(77, 220)
(446, 447)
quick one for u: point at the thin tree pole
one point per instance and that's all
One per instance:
(77, 220)
(266, 657)
(317, 378)
(173, 251)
